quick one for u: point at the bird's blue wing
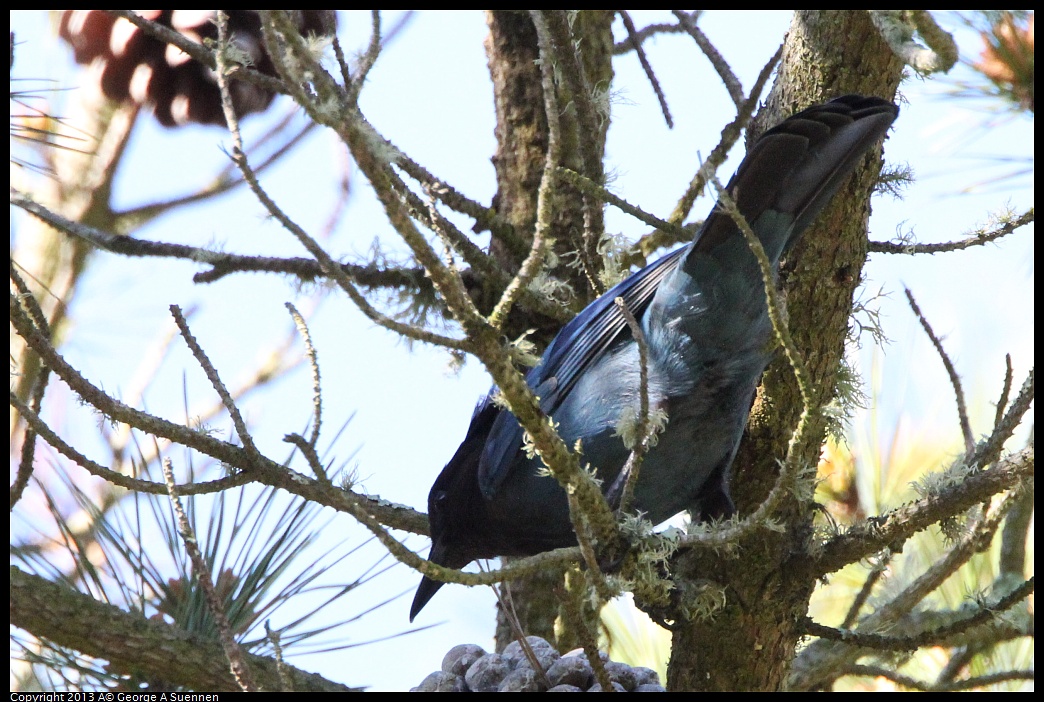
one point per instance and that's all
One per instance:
(580, 343)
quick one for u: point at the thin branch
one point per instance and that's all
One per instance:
(895, 527)
(977, 238)
(313, 364)
(646, 66)
(585, 540)
(222, 264)
(260, 468)
(277, 652)
(880, 565)
(215, 381)
(576, 602)
(632, 42)
(27, 454)
(115, 477)
(906, 681)
(127, 221)
(325, 261)
(729, 135)
(240, 669)
(896, 28)
(484, 264)
(199, 52)
(930, 637)
(1005, 395)
(507, 606)
(342, 62)
(485, 271)
(485, 217)
(308, 449)
(643, 431)
(368, 59)
(955, 380)
(987, 451)
(724, 70)
(588, 186)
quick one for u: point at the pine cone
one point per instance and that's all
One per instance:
(130, 65)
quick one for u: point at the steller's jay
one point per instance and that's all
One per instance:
(703, 314)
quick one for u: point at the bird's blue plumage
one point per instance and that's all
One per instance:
(704, 317)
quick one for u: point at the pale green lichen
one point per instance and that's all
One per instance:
(627, 426)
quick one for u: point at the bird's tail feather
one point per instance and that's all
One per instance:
(795, 168)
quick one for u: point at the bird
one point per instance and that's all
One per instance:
(704, 317)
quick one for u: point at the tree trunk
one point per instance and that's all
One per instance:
(522, 138)
(748, 645)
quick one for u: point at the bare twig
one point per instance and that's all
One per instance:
(729, 135)
(129, 220)
(987, 451)
(972, 683)
(728, 78)
(1005, 395)
(27, 454)
(896, 28)
(588, 186)
(632, 33)
(585, 540)
(368, 59)
(576, 602)
(308, 449)
(977, 238)
(483, 264)
(880, 565)
(484, 217)
(643, 430)
(955, 380)
(112, 476)
(931, 637)
(507, 606)
(215, 381)
(647, 32)
(281, 667)
(199, 52)
(313, 364)
(222, 264)
(240, 669)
